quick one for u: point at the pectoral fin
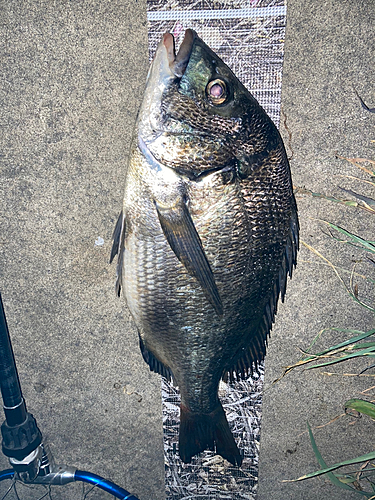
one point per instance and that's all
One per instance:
(178, 227)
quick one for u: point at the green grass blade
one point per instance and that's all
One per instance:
(364, 352)
(363, 345)
(367, 245)
(352, 340)
(348, 203)
(362, 458)
(328, 470)
(361, 406)
(322, 463)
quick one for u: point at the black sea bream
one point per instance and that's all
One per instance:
(207, 235)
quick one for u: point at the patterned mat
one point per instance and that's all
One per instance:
(249, 36)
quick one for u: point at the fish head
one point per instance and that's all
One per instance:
(196, 114)
(207, 80)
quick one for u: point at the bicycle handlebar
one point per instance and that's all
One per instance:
(22, 440)
(67, 475)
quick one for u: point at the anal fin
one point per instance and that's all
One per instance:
(154, 364)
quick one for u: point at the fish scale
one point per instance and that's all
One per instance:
(207, 236)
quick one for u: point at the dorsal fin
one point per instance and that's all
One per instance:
(248, 360)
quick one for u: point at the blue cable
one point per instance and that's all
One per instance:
(103, 484)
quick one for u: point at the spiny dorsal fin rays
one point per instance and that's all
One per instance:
(178, 227)
(254, 353)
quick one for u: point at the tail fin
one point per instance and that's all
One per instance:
(199, 431)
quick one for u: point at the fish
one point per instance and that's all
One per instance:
(207, 236)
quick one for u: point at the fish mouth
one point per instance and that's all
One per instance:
(178, 62)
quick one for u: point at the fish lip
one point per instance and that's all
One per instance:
(178, 62)
(166, 68)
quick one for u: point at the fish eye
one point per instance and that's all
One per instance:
(217, 91)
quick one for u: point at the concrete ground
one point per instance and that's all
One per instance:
(329, 49)
(72, 78)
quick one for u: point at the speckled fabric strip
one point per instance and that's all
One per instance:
(249, 36)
